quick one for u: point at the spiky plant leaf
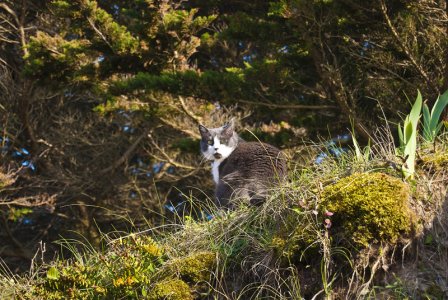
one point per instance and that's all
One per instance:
(439, 106)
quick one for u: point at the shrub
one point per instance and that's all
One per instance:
(120, 272)
(369, 207)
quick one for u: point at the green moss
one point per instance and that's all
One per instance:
(171, 289)
(194, 268)
(434, 291)
(437, 161)
(369, 207)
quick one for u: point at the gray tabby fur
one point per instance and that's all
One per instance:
(241, 170)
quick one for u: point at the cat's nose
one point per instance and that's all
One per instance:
(216, 149)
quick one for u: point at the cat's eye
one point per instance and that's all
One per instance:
(210, 142)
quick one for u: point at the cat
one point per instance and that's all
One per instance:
(240, 169)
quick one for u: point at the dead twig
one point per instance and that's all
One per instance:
(192, 134)
(188, 112)
(167, 157)
(126, 155)
(290, 106)
(22, 251)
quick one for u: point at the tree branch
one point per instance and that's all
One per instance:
(167, 157)
(189, 113)
(125, 155)
(186, 131)
(290, 106)
(405, 48)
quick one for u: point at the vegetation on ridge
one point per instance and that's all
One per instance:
(306, 240)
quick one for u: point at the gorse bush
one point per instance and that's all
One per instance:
(132, 267)
(121, 271)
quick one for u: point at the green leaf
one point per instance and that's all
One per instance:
(438, 129)
(439, 106)
(429, 238)
(400, 136)
(408, 130)
(367, 150)
(53, 274)
(414, 115)
(357, 148)
(426, 124)
(409, 137)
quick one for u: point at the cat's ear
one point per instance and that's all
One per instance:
(229, 128)
(230, 124)
(203, 130)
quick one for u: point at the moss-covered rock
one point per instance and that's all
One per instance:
(369, 207)
(194, 268)
(171, 289)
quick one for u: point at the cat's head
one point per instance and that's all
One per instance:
(218, 143)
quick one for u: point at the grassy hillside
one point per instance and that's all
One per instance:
(348, 227)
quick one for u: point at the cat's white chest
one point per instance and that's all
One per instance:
(215, 170)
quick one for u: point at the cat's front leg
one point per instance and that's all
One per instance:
(223, 193)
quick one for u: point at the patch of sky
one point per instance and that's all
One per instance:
(247, 58)
(284, 49)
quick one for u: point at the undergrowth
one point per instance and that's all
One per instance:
(345, 228)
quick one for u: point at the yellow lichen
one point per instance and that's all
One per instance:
(369, 207)
(171, 289)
